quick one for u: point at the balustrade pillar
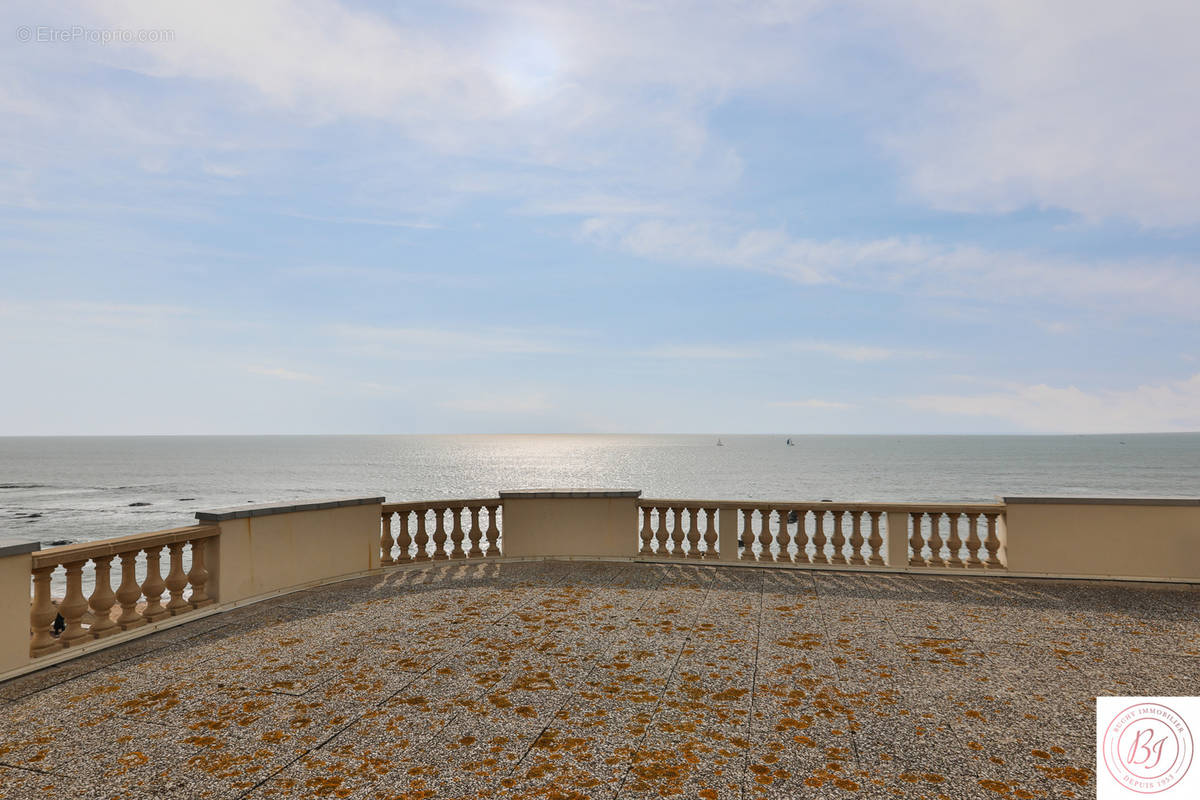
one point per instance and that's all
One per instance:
(385, 538)
(856, 538)
(802, 536)
(839, 537)
(493, 531)
(646, 534)
(456, 534)
(955, 542)
(129, 592)
(748, 535)
(693, 536)
(198, 575)
(422, 538)
(102, 599)
(42, 614)
(973, 543)
(875, 542)
(935, 540)
(764, 535)
(710, 533)
(176, 583)
(784, 539)
(404, 540)
(153, 587)
(661, 535)
(992, 543)
(916, 542)
(819, 541)
(677, 535)
(475, 535)
(439, 535)
(73, 606)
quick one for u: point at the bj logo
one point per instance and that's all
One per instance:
(1147, 748)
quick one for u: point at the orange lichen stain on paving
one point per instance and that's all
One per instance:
(1076, 775)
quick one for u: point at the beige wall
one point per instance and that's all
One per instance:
(570, 526)
(265, 554)
(15, 583)
(1131, 539)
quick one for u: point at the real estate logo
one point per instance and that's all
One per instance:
(1145, 744)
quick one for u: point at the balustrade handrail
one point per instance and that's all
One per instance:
(82, 551)
(816, 505)
(417, 505)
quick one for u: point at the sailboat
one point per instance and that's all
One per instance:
(720, 443)
(790, 443)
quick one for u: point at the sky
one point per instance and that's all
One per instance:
(619, 216)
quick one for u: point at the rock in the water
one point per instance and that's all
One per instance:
(60, 542)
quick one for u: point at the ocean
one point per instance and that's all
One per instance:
(83, 488)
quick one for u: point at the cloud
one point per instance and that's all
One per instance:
(431, 343)
(701, 352)
(909, 265)
(812, 403)
(1090, 107)
(283, 374)
(1165, 407)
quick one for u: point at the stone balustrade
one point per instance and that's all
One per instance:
(419, 532)
(247, 553)
(824, 533)
(134, 603)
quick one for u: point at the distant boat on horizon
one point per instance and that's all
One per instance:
(790, 443)
(720, 443)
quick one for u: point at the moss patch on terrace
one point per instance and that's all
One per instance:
(607, 680)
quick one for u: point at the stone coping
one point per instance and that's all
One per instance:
(1105, 501)
(546, 493)
(267, 509)
(19, 549)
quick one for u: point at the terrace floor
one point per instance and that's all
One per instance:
(609, 680)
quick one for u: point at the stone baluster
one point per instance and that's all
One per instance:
(493, 531)
(42, 614)
(693, 536)
(710, 533)
(935, 540)
(802, 536)
(839, 537)
(476, 534)
(385, 538)
(422, 538)
(954, 543)
(992, 543)
(404, 540)
(973, 542)
(153, 587)
(875, 542)
(456, 533)
(129, 592)
(748, 535)
(784, 539)
(661, 535)
(176, 582)
(103, 599)
(677, 535)
(198, 575)
(916, 542)
(856, 538)
(819, 537)
(764, 535)
(647, 533)
(439, 535)
(73, 606)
